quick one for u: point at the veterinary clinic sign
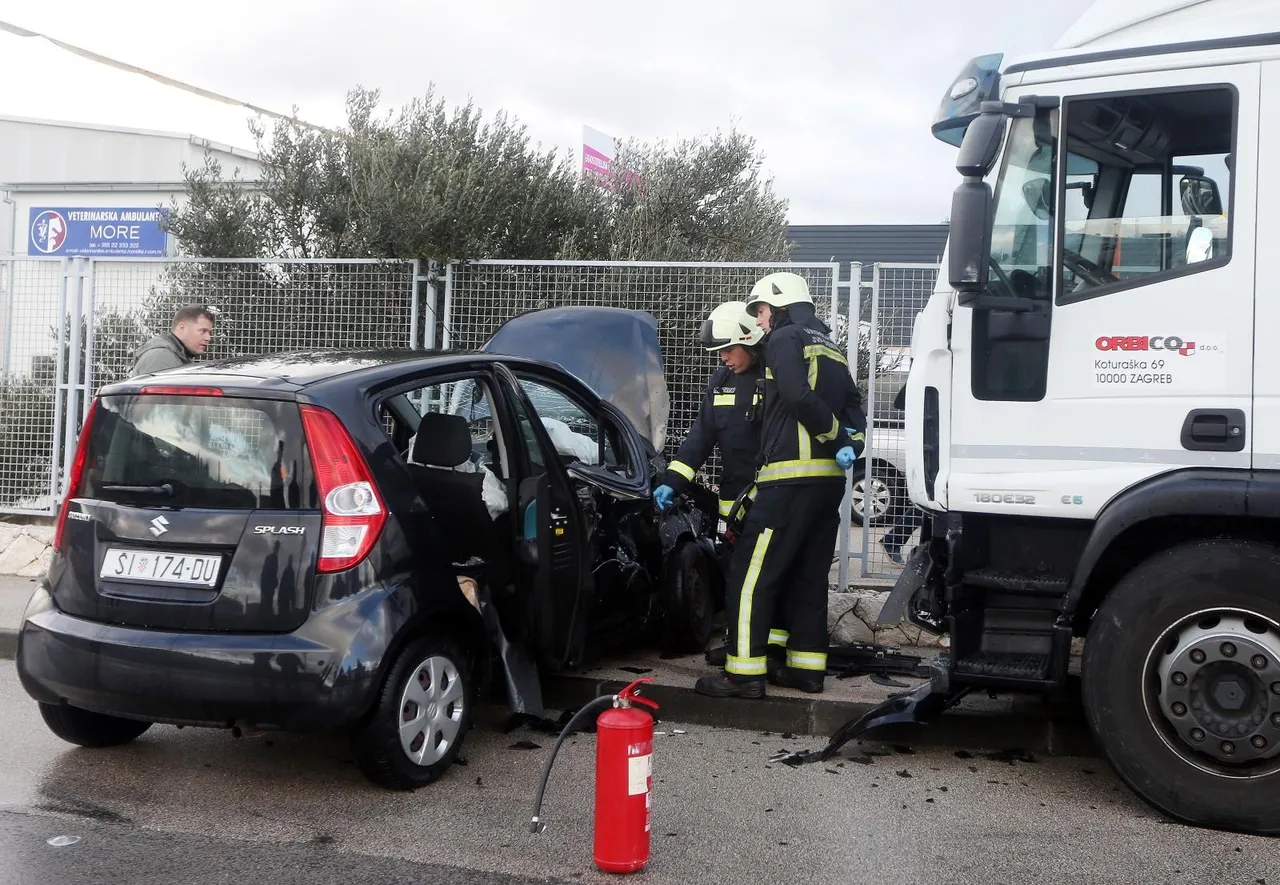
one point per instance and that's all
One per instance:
(97, 232)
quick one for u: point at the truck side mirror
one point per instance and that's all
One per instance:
(969, 247)
(1199, 195)
(981, 145)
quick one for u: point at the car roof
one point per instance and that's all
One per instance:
(294, 371)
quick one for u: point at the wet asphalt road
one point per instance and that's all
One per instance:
(200, 806)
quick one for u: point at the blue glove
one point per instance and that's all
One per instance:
(663, 495)
(845, 457)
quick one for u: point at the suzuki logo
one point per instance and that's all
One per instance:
(159, 526)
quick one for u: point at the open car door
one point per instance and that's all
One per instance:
(550, 538)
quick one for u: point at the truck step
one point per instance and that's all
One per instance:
(1005, 665)
(1024, 582)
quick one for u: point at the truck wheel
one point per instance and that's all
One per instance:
(1181, 678)
(420, 719)
(88, 729)
(688, 601)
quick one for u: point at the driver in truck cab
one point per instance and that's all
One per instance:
(729, 419)
(812, 432)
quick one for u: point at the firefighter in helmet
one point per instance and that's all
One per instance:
(813, 430)
(729, 418)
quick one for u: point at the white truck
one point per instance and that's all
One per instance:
(1093, 407)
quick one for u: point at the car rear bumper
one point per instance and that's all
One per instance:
(322, 676)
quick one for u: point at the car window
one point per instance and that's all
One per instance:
(468, 398)
(574, 432)
(209, 452)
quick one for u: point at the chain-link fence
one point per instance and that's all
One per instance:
(898, 293)
(263, 306)
(33, 294)
(481, 295)
(71, 326)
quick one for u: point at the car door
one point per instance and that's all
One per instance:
(550, 536)
(1145, 363)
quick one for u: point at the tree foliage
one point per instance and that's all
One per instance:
(430, 182)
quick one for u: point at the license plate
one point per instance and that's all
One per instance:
(152, 567)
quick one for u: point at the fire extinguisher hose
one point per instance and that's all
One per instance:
(588, 710)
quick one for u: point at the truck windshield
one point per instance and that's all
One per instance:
(1022, 231)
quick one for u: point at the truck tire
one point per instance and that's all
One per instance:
(688, 601)
(88, 729)
(1181, 681)
(421, 717)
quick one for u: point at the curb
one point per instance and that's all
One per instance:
(1033, 725)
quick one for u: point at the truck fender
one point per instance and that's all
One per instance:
(1204, 492)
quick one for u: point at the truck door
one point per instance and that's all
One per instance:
(1126, 215)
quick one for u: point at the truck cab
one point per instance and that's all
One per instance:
(1093, 408)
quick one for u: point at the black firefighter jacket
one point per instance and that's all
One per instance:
(729, 418)
(810, 401)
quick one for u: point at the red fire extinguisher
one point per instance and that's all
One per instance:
(624, 778)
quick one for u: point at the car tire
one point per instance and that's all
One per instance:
(417, 726)
(888, 486)
(88, 729)
(1216, 603)
(688, 601)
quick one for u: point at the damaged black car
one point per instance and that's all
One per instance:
(364, 541)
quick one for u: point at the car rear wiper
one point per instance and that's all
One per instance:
(162, 489)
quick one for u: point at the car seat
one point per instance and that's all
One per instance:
(455, 498)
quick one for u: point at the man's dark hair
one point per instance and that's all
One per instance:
(192, 312)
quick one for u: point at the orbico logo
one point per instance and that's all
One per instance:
(1167, 343)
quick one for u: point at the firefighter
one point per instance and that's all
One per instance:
(813, 431)
(729, 419)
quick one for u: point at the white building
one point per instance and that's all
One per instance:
(74, 189)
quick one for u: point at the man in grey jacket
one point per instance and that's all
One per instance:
(188, 338)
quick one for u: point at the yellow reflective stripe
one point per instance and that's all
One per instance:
(681, 468)
(832, 433)
(778, 637)
(756, 398)
(726, 507)
(722, 399)
(748, 594)
(811, 469)
(816, 350)
(807, 660)
(806, 447)
(768, 373)
(746, 666)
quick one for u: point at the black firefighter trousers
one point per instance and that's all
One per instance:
(783, 556)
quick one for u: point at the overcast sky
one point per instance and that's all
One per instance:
(838, 93)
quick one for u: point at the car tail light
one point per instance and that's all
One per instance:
(353, 509)
(76, 475)
(178, 390)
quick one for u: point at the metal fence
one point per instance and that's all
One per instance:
(898, 293)
(73, 325)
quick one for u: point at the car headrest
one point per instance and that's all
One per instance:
(442, 440)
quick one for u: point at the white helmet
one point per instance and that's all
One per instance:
(780, 289)
(730, 324)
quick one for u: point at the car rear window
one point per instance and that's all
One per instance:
(198, 451)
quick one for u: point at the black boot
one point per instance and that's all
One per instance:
(775, 659)
(717, 657)
(722, 685)
(804, 680)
